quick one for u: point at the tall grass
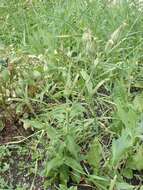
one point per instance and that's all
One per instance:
(74, 79)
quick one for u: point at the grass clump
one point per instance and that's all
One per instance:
(71, 95)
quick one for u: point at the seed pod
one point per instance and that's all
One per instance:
(114, 37)
(88, 42)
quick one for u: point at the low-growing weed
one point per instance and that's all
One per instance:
(71, 95)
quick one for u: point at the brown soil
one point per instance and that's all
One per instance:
(11, 132)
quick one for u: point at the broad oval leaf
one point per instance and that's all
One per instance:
(74, 164)
(53, 164)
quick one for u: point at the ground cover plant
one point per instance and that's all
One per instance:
(71, 100)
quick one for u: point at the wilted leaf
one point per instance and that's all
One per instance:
(26, 124)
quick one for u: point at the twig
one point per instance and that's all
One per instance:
(20, 141)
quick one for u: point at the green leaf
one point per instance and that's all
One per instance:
(3, 62)
(59, 113)
(33, 124)
(51, 132)
(76, 177)
(120, 146)
(72, 188)
(95, 177)
(64, 174)
(64, 187)
(54, 164)
(72, 146)
(73, 164)
(5, 75)
(95, 155)
(125, 110)
(88, 82)
(128, 173)
(36, 74)
(115, 36)
(120, 91)
(137, 161)
(76, 110)
(124, 186)
(138, 102)
(127, 115)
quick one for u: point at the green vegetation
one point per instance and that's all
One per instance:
(71, 99)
